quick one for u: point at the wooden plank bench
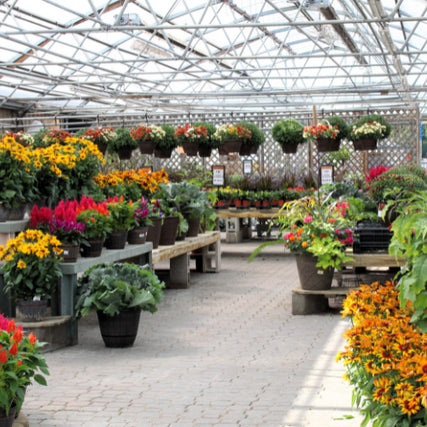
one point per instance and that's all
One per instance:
(316, 301)
(178, 256)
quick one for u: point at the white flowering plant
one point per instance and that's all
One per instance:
(371, 126)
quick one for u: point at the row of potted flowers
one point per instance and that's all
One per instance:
(240, 199)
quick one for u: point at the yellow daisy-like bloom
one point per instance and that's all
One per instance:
(21, 264)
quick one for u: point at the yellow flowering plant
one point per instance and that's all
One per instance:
(16, 173)
(31, 267)
(228, 131)
(385, 357)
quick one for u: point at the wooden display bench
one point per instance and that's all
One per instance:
(235, 228)
(179, 254)
(62, 304)
(313, 302)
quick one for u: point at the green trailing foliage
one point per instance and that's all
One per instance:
(288, 132)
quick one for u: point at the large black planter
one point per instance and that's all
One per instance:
(193, 226)
(120, 330)
(7, 420)
(153, 232)
(312, 277)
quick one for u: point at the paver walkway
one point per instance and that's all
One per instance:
(224, 352)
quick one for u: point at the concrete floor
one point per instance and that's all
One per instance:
(224, 352)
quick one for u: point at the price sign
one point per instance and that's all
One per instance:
(326, 175)
(247, 167)
(218, 175)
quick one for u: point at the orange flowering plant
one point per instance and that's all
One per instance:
(20, 363)
(31, 268)
(385, 357)
(322, 131)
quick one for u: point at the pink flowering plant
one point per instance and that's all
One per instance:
(20, 363)
(141, 213)
(317, 225)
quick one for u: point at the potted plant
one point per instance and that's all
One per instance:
(31, 271)
(316, 230)
(138, 234)
(120, 220)
(207, 144)
(123, 145)
(62, 223)
(102, 137)
(147, 137)
(189, 137)
(17, 179)
(118, 292)
(165, 145)
(367, 130)
(155, 227)
(250, 145)
(325, 135)
(21, 363)
(230, 138)
(289, 134)
(97, 226)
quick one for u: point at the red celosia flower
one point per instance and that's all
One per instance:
(11, 327)
(3, 357)
(13, 349)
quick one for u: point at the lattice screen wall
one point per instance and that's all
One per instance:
(403, 146)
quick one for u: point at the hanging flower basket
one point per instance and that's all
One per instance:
(163, 153)
(289, 148)
(205, 150)
(328, 144)
(230, 146)
(364, 144)
(190, 147)
(125, 153)
(146, 147)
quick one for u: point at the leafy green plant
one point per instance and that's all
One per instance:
(123, 139)
(112, 287)
(257, 135)
(343, 128)
(288, 132)
(410, 242)
(169, 140)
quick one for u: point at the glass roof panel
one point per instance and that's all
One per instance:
(236, 54)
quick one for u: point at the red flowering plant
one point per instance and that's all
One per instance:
(95, 217)
(60, 221)
(376, 172)
(323, 130)
(191, 133)
(20, 363)
(316, 225)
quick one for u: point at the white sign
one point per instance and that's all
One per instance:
(218, 176)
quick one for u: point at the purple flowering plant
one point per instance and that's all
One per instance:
(142, 212)
(67, 231)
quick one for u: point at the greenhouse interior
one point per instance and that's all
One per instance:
(213, 213)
